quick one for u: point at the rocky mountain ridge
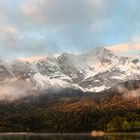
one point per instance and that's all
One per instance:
(95, 71)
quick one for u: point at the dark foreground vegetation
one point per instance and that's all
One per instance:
(30, 119)
(74, 111)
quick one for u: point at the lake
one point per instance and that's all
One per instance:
(8, 136)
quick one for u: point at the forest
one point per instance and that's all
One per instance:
(38, 119)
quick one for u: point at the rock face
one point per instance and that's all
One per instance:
(95, 71)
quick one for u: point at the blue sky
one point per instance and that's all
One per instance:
(46, 27)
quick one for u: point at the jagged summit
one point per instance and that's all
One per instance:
(94, 71)
(101, 51)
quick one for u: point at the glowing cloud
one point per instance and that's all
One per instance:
(9, 29)
(29, 9)
(125, 48)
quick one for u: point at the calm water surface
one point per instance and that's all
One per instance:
(66, 137)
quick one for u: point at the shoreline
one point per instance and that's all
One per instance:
(66, 134)
(122, 133)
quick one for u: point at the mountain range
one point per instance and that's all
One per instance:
(94, 72)
(70, 93)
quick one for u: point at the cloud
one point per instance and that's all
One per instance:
(64, 25)
(9, 29)
(63, 13)
(29, 9)
(98, 4)
(8, 36)
(125, 48)
(16, 90)
(129, 94)
(17, 44)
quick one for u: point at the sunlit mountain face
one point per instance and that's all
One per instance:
(96, 71)
(99, 87)
(69, 61)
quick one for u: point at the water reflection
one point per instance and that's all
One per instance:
(67, 137)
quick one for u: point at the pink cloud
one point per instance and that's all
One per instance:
(29, 9)
(125, 48)
(9, 29)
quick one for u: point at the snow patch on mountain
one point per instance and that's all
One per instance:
(95, 71)
(44, 82)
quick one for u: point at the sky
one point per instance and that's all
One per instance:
(46, 27)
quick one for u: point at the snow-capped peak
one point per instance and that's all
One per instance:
(32, 59)
(94, 71)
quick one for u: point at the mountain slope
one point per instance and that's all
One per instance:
(95, 71)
